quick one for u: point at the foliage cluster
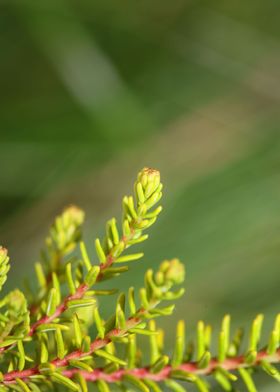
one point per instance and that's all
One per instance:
(57, 336)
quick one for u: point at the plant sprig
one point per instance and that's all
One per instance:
(46, 339)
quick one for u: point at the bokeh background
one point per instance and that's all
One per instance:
(93, 91)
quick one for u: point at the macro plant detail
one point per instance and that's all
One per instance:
(55, 335)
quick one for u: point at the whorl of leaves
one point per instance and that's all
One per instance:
(57, 334)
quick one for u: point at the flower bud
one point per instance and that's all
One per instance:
(73, 215)
(149, 179)
(171, 272)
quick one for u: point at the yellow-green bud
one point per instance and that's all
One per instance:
(149, 179)
(172, 272)
(73, 215)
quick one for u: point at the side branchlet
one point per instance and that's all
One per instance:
(46, 340)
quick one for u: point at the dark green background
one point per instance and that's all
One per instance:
(93, 91)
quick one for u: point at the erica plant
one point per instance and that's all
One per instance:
(57, 337)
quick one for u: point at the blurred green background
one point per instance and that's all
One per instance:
(93, 91)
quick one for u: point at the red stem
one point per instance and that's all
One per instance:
(229, 364)
(97, 344)
(60, 309)
(77, 295)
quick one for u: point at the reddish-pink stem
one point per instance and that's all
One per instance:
(77, 295)
(60, 309)
(97, 344)
(229, 364)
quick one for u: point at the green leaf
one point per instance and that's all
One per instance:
(85, 256)
(69, 278)
(277, 325)
(99, 323)
(207, 336)
(273, 342)
(110, 357)
(80, 365)
(126, 228)
(56, 285)
(114, 231)
(131, 301)
(132, 257)
(222, 346)
(51, 327)
(153, 291)
(140, 331)
(201, 385)
(182, 375)
(131, 351)
(138, 240)
(200, 339)
(59, 344)
(224, 338)
(40, 275)
(34, 387)
(92, 276)
(86, 344)
(174, 386)
(204, 360)
(24, 387)
(44, 352)
(81, 303)
(270, 370)
(82, 382)
(222, 380)
(227, 374)
(136, 382)
(247, 379)
(100, 252)
(236, 343)
(102, 386)
(77, 330)
(255, 332)
(51, 302)
(154, 387)
(179, 345)
(111, 368)
(120, 318)
(154, 349)
(143, 298)
(114, 271)
(8, 342)
(62, 380)
(159, 364)
(130, 205)
(172, 295)
(4, 266)
(167, 311)
(102, 292)
(140, 193)
(21, 352)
